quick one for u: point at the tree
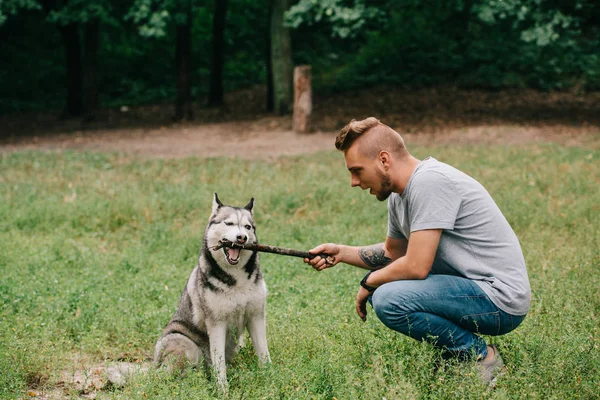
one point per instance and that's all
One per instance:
(350, 44)
(281, 58)
(153, 17)
(215, 93)
(79, 23)
(489, 43)
(269, 65)
(91, 42)
(71, 17)
(69, 31)
(13, 7)
(183, 63)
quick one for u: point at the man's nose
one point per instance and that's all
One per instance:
(354, 182)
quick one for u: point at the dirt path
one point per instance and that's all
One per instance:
(243, 129)
(252, 140)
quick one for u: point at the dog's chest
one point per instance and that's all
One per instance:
(231, 303)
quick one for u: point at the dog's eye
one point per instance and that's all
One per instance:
(229, 223)
(248, 227)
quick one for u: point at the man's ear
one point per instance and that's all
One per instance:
(384, 158)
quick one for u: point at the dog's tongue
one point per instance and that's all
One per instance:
(234, 253)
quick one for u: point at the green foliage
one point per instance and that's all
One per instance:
(345, 22)
(132, 69)
(81, 11)
(95, 249)
(491, 45)
(548, 45)
(538, 22)
(13, 7)
(152, 16)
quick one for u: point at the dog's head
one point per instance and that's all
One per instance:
(235, 224)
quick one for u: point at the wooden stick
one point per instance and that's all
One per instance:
(272, 249)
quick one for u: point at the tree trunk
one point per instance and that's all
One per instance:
(460, 25)
(73, 70)
(302, 99)
(183, 55)
(270, 102)
(281, 56)
(90, 67)
(70, 36)
(215, 95)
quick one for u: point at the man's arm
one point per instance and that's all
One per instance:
(417, 262)
(382, 254)
(368, 257)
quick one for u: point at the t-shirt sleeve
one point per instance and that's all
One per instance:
(434, 202)
(393, 222)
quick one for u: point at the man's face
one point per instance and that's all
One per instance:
(367, 173)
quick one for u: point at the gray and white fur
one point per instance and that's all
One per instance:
(224, 296)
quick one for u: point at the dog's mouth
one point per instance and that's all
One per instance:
(232, 254)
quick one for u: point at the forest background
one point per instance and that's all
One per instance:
(74, 57)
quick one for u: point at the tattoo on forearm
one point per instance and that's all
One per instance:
(374, 256)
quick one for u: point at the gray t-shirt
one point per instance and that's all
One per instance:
(477, 241)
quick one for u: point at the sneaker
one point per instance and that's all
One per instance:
(490, 370)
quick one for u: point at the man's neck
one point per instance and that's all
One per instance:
(404, 170)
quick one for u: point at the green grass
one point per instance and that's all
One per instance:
(95, 249)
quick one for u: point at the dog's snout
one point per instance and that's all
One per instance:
(242, 238)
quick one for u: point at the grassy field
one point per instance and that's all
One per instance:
(95, 249)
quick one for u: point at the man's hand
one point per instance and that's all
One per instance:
(331, 250)
(361, 302)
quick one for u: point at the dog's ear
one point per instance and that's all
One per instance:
(216, 204)
(250, 205)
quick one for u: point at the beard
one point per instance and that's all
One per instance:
(386, 186)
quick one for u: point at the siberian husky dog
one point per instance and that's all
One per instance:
(224, 295)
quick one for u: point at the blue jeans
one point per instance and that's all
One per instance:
(448, 311)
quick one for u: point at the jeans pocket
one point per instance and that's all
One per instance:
(510, 322)
(486, 323)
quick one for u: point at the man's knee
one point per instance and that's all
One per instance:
(385, 304)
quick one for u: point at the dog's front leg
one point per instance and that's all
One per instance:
(257, 328)
(217, 337)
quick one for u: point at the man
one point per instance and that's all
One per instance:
(451, 267)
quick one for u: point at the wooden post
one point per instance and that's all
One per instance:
(302, 99)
